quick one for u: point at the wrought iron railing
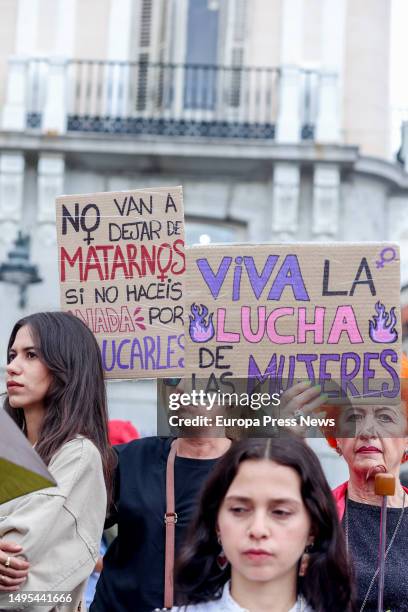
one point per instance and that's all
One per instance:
(172, 99)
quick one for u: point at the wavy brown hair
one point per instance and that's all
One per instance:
(327, 586)
(75, 403)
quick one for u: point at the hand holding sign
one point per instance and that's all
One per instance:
(300, 402)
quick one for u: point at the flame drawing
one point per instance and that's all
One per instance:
(138, 320)
(200, 330)
(382, 328)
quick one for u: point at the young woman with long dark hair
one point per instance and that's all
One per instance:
(56, 395)
(266, 537)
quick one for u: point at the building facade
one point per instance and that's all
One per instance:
(272, 114)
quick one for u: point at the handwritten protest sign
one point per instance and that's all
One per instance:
(122, 263)
(306, 311)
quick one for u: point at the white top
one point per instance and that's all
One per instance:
(227, 604)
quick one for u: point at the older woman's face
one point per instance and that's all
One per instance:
(376, 435)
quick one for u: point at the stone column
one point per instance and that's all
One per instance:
(404, 144)
(44, 253)
(286, 177)
(120, 27)
(56, 108)
(333, 40)
(285, 213)
(54, 119)
(14, 111)
(328, 119)
(179, 13)
(27, 27)
(11, 196)
(50, 172)
(326, 201)
(65, 35)
(288, 124)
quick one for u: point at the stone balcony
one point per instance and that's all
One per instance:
(165, 101)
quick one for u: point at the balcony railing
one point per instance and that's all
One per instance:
(165, 99)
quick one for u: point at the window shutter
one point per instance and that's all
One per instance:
(234, 20)
(235, 34)
(151, 49)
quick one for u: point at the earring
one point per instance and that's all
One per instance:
(222, 560)
(305, 559)
(339, 451)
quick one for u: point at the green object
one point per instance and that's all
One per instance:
(16, 480)
(22, 470)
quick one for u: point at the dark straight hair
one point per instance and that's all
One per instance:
(76, 400)
(327, 586)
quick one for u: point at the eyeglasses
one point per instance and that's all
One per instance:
(171, 382)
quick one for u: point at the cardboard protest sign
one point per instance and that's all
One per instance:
(122, 263)
(303, 311)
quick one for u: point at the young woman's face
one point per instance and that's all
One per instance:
(28, 379)
(263, 524)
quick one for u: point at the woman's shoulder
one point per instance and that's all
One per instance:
(79, 449)
(340, 491)
(76, 460)
(153, 447)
